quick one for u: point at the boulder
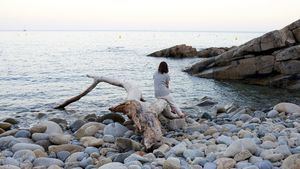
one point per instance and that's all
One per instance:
(178, 51)
(239, 146)
(272, 60)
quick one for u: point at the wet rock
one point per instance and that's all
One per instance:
(7, 142)
(44, 161)
(11, 121)
(26, 146)
(291, 162)
(113, 165)
(88, 129)
(65, 147)
(76, 125)
(172, 163)
(115, 129)
(59, 138)
(5, 125)
(178, 51)
(91, 141)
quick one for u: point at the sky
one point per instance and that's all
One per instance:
(156, 15)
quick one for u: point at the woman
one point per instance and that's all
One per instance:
(161, 87)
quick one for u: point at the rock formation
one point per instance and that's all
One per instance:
(272, 59)
(184, 51)
(178, 51)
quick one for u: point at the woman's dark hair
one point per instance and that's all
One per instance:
(163, 68)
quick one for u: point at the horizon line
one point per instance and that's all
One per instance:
(124, 30)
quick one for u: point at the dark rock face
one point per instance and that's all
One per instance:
(178, 51)
(272, 59)
(213, 51)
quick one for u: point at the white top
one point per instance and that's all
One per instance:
(161, 84)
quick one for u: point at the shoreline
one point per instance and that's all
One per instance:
(191, 143)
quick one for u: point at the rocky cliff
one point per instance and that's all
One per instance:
(272, 59)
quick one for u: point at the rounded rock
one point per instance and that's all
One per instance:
(23, 134)
(115, 129)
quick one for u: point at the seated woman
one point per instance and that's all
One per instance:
(161, 87)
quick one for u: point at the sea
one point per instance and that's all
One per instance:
(40, 69)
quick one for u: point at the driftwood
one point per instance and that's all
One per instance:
(143, 114)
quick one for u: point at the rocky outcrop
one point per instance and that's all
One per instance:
(178, 51)
(213, 51)
(272, 59)
(184, 51)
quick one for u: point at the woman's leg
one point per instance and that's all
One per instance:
(173, 105)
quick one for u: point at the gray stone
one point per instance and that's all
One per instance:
(238, 145)
(7, 142)
(63, 155)
(90, 150)
(191, 154)
(85, 162)
(26, 146)
(136, 157)
(272, 114)
(40, 136)
(264, 165)
(44, 161)
(109, 138)
(9, 161)
(24, 155)
(224, 140)
(23, 133)
(52, 127)
(115, 129)
(7, 153)
(172, 163)
(210, 166)
(112, 165)
(76, 125)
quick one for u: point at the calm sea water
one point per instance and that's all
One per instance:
(38, 70)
